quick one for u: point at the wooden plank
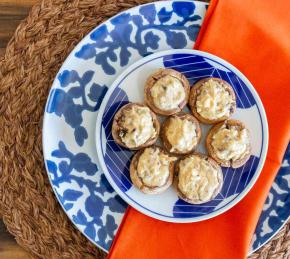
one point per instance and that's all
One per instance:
(7, 30)
(3, 233)
(9, 249)
(12, 251)
(2, 51)
(12, 12)
(19, 2)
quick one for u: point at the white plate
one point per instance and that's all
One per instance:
(115, 160)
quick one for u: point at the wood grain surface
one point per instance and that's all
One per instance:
(12, 12)
(9, 249)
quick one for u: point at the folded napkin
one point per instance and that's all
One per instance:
(254, 36)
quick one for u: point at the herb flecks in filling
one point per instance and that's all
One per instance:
(167, 93)
(198, 179)
(213, 100)
(136, 126)
(154, 167)
(181, 134)
(231, 143)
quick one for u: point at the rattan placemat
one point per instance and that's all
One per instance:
(35, 53)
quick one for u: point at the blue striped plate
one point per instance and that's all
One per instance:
(115, 160)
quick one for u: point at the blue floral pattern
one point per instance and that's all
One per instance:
(77, 168)
(149, 23)
(76, 95)
(62, 103)
(75, 98)
(276, 208)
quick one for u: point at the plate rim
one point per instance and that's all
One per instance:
(64, 64)
(270, 238)
(264, 122)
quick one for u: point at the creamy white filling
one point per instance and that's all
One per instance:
(231, 143)
(181, 134)
(197, 179)
(168, 92)
(213, 101)
(137, 126)
(153, 167)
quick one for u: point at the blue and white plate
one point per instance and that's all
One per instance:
(72, 108)
(115, 160)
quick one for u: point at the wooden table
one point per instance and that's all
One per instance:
(9, 249)
(11, 14)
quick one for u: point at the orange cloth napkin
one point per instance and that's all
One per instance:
(254, 36)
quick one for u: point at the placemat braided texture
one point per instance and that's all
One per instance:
(34, 55)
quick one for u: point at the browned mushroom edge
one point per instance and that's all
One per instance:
(176, 179)
(151, 82)
(194, 92)
(137, 181)
(116, 127)
(165, 125)
(210, 149)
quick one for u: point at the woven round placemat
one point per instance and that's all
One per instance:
(33, 56)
